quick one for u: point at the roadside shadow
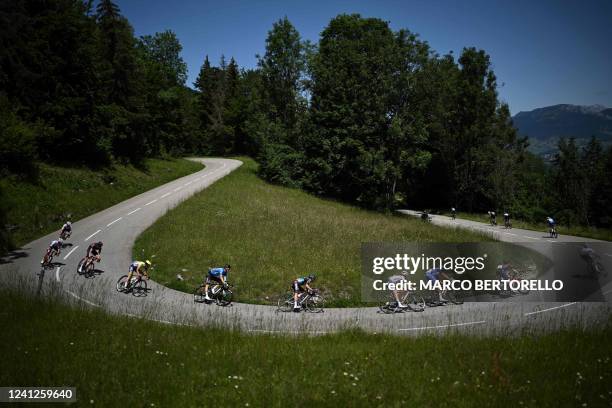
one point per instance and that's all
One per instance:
(13, 255)
(94, 273)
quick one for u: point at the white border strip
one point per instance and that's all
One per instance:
(550, 308)
(443, 326)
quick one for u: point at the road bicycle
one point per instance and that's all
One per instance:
(309, 301)
(137, 285)
(410, 300)
(90, 269)
(552, 233)
(507, 224)
(47, 260)
(221, 294)
(65, 235)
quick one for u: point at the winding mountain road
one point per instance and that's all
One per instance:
(119, 225)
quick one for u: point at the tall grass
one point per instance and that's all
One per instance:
(36, 209)
(270, 235)
(121, 361)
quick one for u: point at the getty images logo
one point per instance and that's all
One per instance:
(412, 264)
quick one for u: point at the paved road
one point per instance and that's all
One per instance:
(119, 226)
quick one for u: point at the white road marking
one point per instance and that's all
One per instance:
(57, 273)
(287, 331)
(86, 239)
(165, 195)
(509, 233)
(177, 189)
(609, 255)
(443, 326)
(81, 299)
(550, 308)
(530, 237)
(188, 183)
(132, 212)
(150, 202)
(111, 223)
(71, 251)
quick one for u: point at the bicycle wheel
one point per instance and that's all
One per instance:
(224, 297)
(415, 303)
(121, 284)
(139, 289)
(285, 303)
(90, 269)
(599, 269)
(315, 304)
(198, 294)
(387, 307)
(80, 266)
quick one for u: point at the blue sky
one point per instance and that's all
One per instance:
(543, 52)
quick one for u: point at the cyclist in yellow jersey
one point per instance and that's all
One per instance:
(141, 268)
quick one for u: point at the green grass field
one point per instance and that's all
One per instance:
(38, 209)
(270, 235)
(121, 361)
(578, 231)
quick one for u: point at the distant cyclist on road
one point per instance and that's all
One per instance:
(507, 219)
(551, 225)
(301, 285)
(395, 279)
(493, 217)
(139, 268)
(434, 275)
(54, 248)
(506, 271)
(66, 230)
(94, 252)
(453, 213)
(218, 275)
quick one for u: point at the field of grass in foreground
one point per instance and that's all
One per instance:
(121, 361)
(38, 209)
(577, 231)
(272, 234)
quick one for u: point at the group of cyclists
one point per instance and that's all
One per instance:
(93, 253)
(141, 269)
(552, 225)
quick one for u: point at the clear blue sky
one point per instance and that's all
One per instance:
(543, 52)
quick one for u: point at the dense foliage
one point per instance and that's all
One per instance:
(368, 115)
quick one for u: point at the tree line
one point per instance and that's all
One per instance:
(366, 115)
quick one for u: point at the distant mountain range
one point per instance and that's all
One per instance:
(545, 126)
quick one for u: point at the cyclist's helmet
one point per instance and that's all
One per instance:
(312, 278)
(60, 241)
(68, 223)
(148, 263)
(227, 266)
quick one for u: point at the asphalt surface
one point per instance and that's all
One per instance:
(119, 225)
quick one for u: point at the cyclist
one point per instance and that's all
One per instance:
(300, 285)
(504, 269)
(453, 213)
(140, 268)
(589, 255)
(66, 230)
(54, 248)
(506, 219)
(434, 275)
(218, 275)
(551, 225)
(94, 250)
(395, 279)
(493, 217)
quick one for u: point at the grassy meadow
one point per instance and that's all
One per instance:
(272, 234)
(123, 361)
(36, 209)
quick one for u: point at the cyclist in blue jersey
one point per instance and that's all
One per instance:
(434, 275)
(216, 275)
(300, 285)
